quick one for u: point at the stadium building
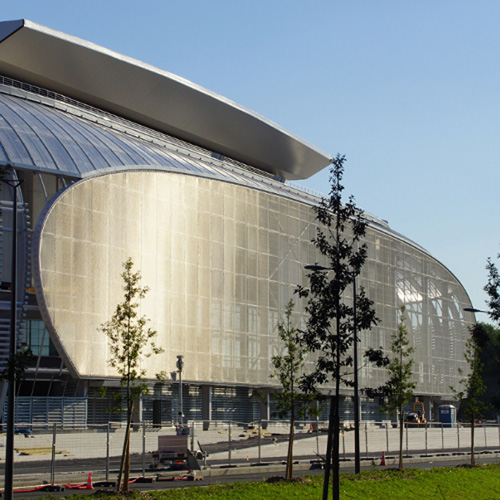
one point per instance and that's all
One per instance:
(120, 159)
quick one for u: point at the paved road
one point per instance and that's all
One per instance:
(262, 474)
(82, 452)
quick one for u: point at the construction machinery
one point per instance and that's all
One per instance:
(417, 417)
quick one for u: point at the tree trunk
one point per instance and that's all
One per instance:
(122, 461)
(125, 461)
(289, 460)
(336, 449)
(401, 429)
(336, 419)
(126, 473)
(329, 448)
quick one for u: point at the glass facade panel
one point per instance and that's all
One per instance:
(37, 339)
(221, 262)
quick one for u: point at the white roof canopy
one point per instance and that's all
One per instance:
(155, 98)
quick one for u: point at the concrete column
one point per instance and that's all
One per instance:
(429, 414)
(206, 405)
(137, 414)
(265, 407)
(82, 388)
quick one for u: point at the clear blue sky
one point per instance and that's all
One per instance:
(408, 91)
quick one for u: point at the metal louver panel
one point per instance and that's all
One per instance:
(64, 412)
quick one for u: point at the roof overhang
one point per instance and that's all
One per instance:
(155, 98)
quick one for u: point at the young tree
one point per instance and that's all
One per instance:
(398, 389)
(329, 330)
(488, 340)
(17, 365)
(291, 401)
(473, 387)
(131, 342)
(492, 288)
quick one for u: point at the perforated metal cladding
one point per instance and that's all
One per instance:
(221, 262)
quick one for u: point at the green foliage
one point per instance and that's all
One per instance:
(454, 483)
(16, 365)
(488, 340)
(330, 325)
(340, 229)
(291, 401)
(130, 344)
(492, 288)
(130, 337)
(472, 384)
(398, 389)
(288, 370)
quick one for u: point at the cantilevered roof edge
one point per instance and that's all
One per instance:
(153, 97)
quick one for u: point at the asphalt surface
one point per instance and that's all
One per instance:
(73, 466)
(247, 474)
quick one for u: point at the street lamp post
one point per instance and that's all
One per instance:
(474, 310)
(11, 384)
(180, 366)
(357, 455)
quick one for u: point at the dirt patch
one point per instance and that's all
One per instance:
(277, 479)
(116, 494)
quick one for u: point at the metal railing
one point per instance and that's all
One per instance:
(48, 453)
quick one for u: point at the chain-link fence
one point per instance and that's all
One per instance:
(56, 455)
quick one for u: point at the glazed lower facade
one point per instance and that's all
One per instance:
(222, 246)
(222, 260)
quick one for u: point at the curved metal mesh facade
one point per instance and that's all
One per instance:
(222, 260)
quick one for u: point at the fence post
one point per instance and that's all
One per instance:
(426, 438)
(343, 443)
(143, 449)
(458, 437)
(260, 443)
(387, 437)
(192, 436)
(229, 442)
(107, 452)
(317, 436)
(366, 439)
(53, 461)
(406, 438)
(442, 436)
(485, 434)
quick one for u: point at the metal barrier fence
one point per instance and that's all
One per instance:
(48, 453)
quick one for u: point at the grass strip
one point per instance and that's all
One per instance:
(447, 483)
